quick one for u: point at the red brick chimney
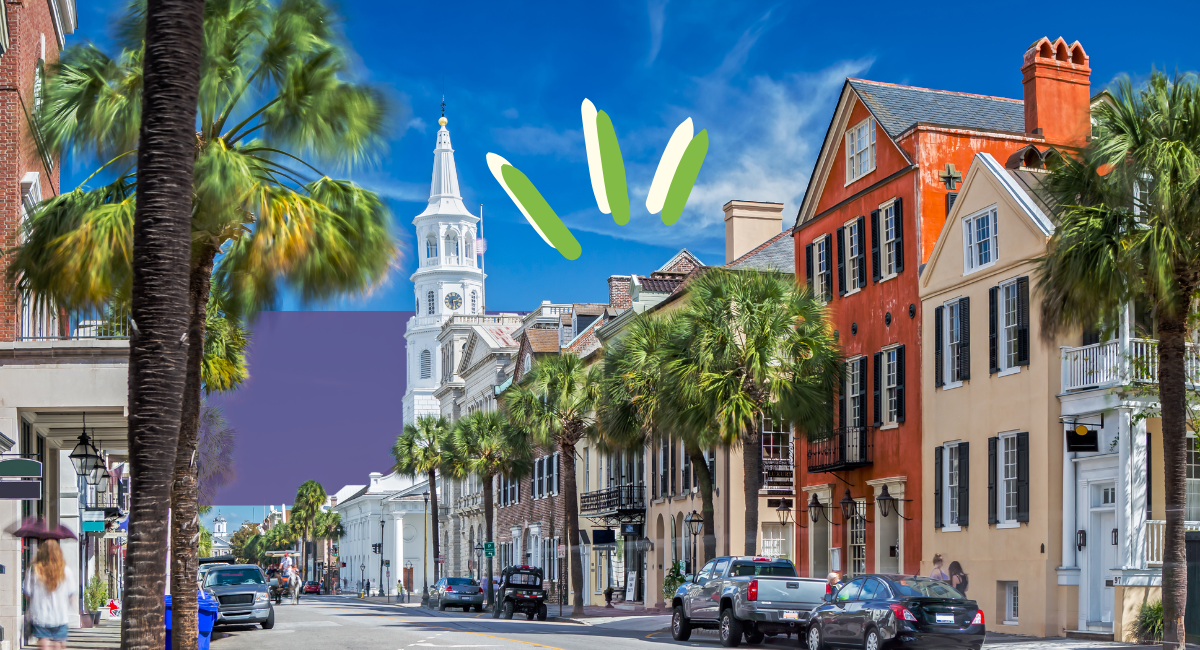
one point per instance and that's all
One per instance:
(1057, 92)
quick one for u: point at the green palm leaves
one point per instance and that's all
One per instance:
(677, 172)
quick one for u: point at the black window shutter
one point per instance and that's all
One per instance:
(900, 384)
(1023, 476)
(827, 280)
(841, 254)
(964, 344)
(938, 366)
(842, 406)
(993, 328)
(992, 517)
(964, 484)
(808, 265)
(937, 487)
(862, 251)
(899, 236)
(878, 379)
(1023, 321)
(876, 272)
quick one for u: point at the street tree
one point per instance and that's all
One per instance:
(556, 404)
(239, 541)
(753, 345)
(488, 446)
(310, 498)
(421, 451)
(214, 455)
(1127, 229)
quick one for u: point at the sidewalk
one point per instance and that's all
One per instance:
(107, 636)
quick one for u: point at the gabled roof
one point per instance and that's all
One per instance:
(776, 254)
(659, 285)
(683, 262)
(589, 308)
(542, 340)
(898, 108)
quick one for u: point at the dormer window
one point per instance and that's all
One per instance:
(979, 240)
(860, 150)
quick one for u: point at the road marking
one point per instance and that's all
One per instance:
(451, 629)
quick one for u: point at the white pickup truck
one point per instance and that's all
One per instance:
(745, 596)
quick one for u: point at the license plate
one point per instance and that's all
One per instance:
(793, 616)
(944, 618)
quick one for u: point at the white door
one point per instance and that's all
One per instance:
(1104, 561)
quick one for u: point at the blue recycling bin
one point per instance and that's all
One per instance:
(208, 618)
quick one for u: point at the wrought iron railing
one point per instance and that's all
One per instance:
(613, 499)
(844, 448)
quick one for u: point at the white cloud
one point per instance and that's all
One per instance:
(658, 15)
(539, 140)
(390, 188)
(416, 124)
(510, 113)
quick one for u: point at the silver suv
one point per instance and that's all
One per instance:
(242, 595)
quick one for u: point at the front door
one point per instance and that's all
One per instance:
(1104, 561)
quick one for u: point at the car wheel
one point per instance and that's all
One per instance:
(754, 637)
(731, 629)
(479, 607)
(508, 609)
(871, 641)
(529, 616)
(541, 612)
(681, 627)
(441, 605)
(814, 637)
(496, 610)
(270, 622)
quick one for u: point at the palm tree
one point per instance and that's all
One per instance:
(1127, 226)
(327, 525)
(421, 451)
(641, 407)
(310, 498)
(271, 92)
(488, 446)
(753, 345)
(214, 455)
(556, 404)
(158, 278)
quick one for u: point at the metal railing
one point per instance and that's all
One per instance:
(777, 475)
(467, 319)
(613, 499)
(1106, 364)
(38, 325)
(844, 448)
(1155, 532)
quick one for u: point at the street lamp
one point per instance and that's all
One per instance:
(425, 555)
(362, 576)
(381, 583)
(695, 524)
(479, 560)
(886, 502)
(849, 507)
(83, 456)
(784, 512)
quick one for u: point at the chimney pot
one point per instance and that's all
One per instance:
(1057, 83)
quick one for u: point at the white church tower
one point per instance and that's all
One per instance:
(448, 280)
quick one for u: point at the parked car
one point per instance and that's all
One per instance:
(312, 587)
(456, 592)
(897, 611)
(521, 590)
(745, 596)
(242, 595)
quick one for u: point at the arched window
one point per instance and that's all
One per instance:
(426, 364)
(430, 299)
(431, 248)
(474, 301)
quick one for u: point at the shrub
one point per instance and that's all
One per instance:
(672, 580)
(96, 594)
(1149, 622)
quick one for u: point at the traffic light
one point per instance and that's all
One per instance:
(376, 548)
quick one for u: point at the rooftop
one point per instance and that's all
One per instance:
(776, 254)
(898, 108)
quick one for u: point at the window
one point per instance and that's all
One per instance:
(587, 470)
(858, 539)
(1108, 495)
(429, 298)
(952, 484)
(887, 247)
(860, 149)
(854, 406)
(426, 364)
(431, 248)
(685, 463)
(952, 477)
(820, 271)
(474, 302)
(773, 543)
(1007, 473)
(1008, 326)
(1192, 504)
(855, 256)
(889, 386)
(952, 343)
(1010, 603)
(664, 479)
(1008, 479)
(979, 233)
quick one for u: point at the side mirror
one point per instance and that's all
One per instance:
(828, 597)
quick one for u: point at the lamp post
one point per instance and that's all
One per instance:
(362, 577)
(695, 524)
(479, 560)
(381, 584)
(425, 555)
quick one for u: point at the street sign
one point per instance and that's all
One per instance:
(387, 563)
(21, 490)
(489, 549)
(562, 551)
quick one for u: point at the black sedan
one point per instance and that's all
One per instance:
(897, 611)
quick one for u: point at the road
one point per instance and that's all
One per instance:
(340, 622)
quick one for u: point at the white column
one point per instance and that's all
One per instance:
(1135, 532)
(1068, 519)
(397, 550)
(1124, 487)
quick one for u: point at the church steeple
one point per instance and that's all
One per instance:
(445, 174)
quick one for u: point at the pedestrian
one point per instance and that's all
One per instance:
(958, 578)
(50, 587)
(834, 582)
(938, 573)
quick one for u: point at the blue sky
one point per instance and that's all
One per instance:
(760, 77)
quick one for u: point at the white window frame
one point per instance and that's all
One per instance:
(854, 257)
(971, 241)
(1011, 603)
(822, 267)
(857, 528)
(1006, 482)
(860, 142)
(888, 241)
(950, 493)
(950, 361)
(890, 387)
(853, 378)
(1006, 332)
(426, 362)
(1191, 507)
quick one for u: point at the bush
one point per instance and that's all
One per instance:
(96, 594)
(1148, 625)
(672, 580)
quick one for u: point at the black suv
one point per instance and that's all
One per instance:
(521, 590)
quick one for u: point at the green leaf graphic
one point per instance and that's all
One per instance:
(541, 212)
(614, 169)
(685, 178)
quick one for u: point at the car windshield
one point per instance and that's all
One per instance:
(918, 587)
(524, 579)
(461, 581)
(234, 577)
(763, 569)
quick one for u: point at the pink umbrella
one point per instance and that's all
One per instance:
(37, 528)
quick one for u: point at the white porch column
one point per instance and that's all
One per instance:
(1069, 524)
(1139, 476)
(1125, 487)
(397, 550)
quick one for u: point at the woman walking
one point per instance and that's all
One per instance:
(50, 587)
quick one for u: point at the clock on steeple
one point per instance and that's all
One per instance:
(453, 300)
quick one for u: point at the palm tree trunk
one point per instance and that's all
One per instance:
(707, 509)
(488, 513)
(433, 523)
(158, 351)
(752, 466)
(1172, 376)
(185, 517)
(571, 499)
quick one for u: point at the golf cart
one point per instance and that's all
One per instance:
(521, 590)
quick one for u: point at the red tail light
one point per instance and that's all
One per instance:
(902, 612)
(752, 590)
(978, 620)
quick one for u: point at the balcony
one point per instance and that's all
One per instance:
(1155, 530)
(845, 448)
(614, 501)
(777, 476)
(1118, 362)
(53, 325)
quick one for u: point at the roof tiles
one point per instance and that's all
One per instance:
(897, 108)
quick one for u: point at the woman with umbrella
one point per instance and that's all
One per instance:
(50, 586)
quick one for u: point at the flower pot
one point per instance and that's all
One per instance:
(95, 618)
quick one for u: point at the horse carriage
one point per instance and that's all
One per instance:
(279, 583)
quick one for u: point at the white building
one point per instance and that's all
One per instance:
(391, 510)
